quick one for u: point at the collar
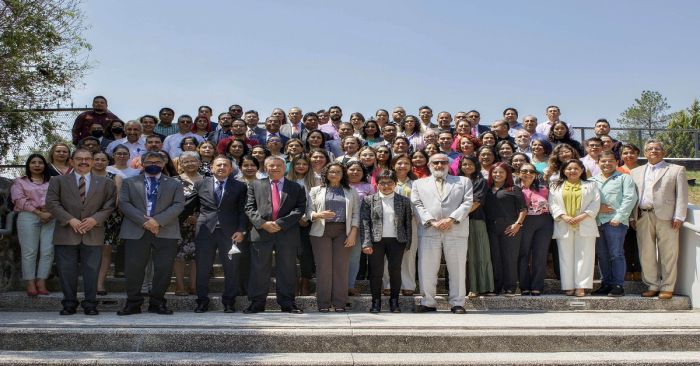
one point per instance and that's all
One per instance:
(386, 196)
(658, 165)
(281, 181)
(77, 175)
(157, 176)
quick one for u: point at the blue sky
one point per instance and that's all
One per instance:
(592, 58)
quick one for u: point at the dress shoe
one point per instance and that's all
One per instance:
(650, 293)
(353, 292)
(129, 310)
(229, 308)
(535, 293)
(386, 292)
(102, 293)
(616, 291)
(340, 310)
(603, 290)
(394, 305)
(407, 292)
(67, 311)
(569, 292)
(201, 308)
(376, 306)
(159, 309)
(637, 276)
(324, 310)
(665, 295)
(292, 309)
(424, 309)
(91, 311)
(42, 292)
(629, 276)
(509, 293)
(253, 310)
(458, 310)
(32, 293)
(580, 292)
(525, 293)
(472, 295)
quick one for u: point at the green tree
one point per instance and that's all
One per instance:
(647, 112)
(681, 144)
(44, 57)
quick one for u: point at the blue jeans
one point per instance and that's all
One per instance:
(36, 241)
(611, 255)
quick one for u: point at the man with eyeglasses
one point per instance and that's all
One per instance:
(594, 146)
(172, 143)
(236, 111)
(663, 202)
(442, 204)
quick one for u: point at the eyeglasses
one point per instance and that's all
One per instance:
(653, 149)
(439, 162)
(386, 183)
(527, 171)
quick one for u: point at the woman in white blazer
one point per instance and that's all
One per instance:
(574, 202)
(334, 210)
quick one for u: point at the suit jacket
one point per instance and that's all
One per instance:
(456, 203)
(372, 224)
(590, 204)
(481, 129)
(262, 138)
(170, 202)
(333, 147)
(229, 213)
(258, 208)
(63, 201)
(286, 130)
(670, 190)
(104, 143)
(317, 203)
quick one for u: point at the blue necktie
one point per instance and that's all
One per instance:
(152, 194)
(219, 192)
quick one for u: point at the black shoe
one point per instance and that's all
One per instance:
(616, 291)
(292, 309)
(129, 310)
(424, 309)
(376, 306)
(458, 310)
(202, 308)
(101, 293)
(229, 308)
(394, 306)
(159, 309)
(602, 291)
(67, 311)
(253, 310)
(91, 311)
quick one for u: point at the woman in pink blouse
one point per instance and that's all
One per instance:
(34, 224)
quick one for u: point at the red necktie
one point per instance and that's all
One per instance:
(275, 200)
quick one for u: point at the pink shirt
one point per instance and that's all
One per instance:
(536, 201)
(28, 196)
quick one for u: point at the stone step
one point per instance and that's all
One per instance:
(487, 332)
(349, 359)
(18, 301)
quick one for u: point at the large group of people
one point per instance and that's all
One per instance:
(384, 198)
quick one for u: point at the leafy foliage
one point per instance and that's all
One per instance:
(681, 144)
(648, 112)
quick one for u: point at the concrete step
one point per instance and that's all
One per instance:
(349, 359)
(354, 333)
(18, 301)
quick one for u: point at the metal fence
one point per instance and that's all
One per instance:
(637, 136)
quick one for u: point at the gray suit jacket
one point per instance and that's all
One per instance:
(63, 201)
(372, 224)
(455, 203)
(169, 204)
(670, 190)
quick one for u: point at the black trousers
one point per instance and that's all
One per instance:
(261, 271)
(206, 246)
(307, 267)
(393, 251)
(534, 246)
(632, 251)
(504, 258)
(67, 259)
(138, 253)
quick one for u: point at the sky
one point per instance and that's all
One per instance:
(591, 58)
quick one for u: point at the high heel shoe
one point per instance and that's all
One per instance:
(376, 306)
(32, 293)
(394, 305)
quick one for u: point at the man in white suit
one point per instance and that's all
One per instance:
(442, 202)
(663, 201)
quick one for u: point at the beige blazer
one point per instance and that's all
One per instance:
(670, 190)
(590, 204)
(317, 203)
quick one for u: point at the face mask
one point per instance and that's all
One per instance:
(152, 169)
(118, 130)
(97, 133)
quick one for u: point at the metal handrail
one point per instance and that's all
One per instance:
(693, 227)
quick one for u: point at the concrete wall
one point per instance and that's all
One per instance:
(689, 257)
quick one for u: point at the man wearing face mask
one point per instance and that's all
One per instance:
(99, 114)
(151, 203)
(98, 131)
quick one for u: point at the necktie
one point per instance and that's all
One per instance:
(152, 195)
(81, 188)
(275, 200)
(219, 192)
(295, 129)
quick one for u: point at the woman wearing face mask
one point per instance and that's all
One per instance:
(115, 130)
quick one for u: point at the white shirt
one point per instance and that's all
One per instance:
(87, 181)
(171, 144)
(135, 148)
(388, 215)
(591, 165)
(646, 200)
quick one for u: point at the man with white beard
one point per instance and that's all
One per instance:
(443, 203)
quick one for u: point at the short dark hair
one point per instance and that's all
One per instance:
(594, 139)
(166, 109)
(155, 136)
(425, 107)
(154, 118)
(205, 106)
(248, 157)
(335, 107)
(309, 114)
(603, 120)
(510, 109)
(632, 147)
(99, 97)
(386, 174)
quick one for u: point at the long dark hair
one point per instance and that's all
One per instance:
(245, 151)
(477, 167)
(562, 176)
(365, 173)
(306, 145)
(343, 180)
(46, 175)
(509, 175)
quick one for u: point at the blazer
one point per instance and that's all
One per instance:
(590, 204)
(456, 203)
(670, 191)
(169, 204)
(229, 214)
(372, 224)
(262, 138)
(286, 130)
(258, 208)
(63, 201)
(317, 203)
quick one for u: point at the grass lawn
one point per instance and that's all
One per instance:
(694, 192)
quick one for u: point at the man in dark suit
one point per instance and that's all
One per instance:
(272, 128)
(80, 202)
(221, 221)
(274, 207)
(474, 117)
(151, 203)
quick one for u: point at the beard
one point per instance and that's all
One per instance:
(439, 173)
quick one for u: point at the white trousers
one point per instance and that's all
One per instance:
(576, 261)
(430, 250)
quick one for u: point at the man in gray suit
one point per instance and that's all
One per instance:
(151, 203)
(663, 202)
(442, 202)
(80, 202)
